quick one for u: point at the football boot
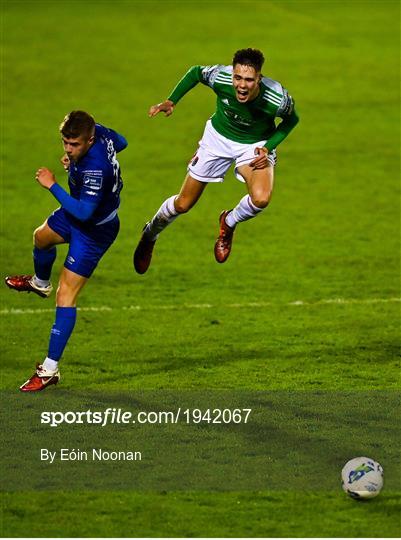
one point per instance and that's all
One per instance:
(222, 247)
(26, 283)
(143, 253)
(41, 379)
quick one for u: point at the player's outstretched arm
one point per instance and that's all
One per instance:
(167, 107)
(191, 78)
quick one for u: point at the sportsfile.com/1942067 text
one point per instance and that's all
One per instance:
(118, 416)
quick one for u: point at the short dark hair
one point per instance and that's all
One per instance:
(77, 123)
(249, 57)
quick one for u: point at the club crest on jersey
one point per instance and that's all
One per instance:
(93, 179)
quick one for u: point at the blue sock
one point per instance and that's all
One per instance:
(43, 260)
(61, 331)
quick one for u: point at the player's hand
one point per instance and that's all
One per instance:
(260, 162)
(45, 177)
(65, 162)
(167, 107)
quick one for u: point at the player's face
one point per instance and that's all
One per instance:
(77, 148)
(246, 82)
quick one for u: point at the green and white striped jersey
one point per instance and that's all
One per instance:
(248, 122)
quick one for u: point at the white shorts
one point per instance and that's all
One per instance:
(216, 153)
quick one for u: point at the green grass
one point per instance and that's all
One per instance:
(187, 515)
(331, 232)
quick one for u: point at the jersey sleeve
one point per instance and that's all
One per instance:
(290, 119)
(119, 142)
(196, 74)
(191, 78)
(210, 73)
(94, 179)
(81, 209)
(286, 106)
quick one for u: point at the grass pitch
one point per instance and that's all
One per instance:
(309, 299)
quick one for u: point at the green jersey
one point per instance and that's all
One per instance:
(248, 122)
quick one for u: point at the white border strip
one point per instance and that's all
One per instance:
(173, 307)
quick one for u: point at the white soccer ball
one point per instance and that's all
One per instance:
(362, 478)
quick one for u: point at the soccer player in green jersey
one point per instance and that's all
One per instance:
(242, 130)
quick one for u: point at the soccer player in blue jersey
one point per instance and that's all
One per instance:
(87, 220)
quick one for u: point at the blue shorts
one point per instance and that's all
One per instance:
(88, 244)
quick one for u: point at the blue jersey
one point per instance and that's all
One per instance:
(96, 177)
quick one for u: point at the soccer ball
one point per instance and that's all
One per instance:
(362, 478)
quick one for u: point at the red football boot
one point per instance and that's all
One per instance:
(224, 241)
(143, 253)
(40, 380)
(26, 283)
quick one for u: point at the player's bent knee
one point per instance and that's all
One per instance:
(39, 238)
(45, 238)
(261, 200)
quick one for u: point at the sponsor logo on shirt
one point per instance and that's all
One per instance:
(93, 179)
(237, 119)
